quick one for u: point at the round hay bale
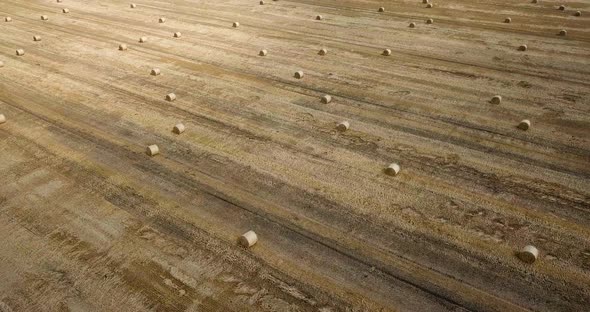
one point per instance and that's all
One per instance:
(44, 17)
(155, 72)
(386, 52)
(412, 25)
(261, 2)
(525, 124)
(343, 126)
(263, 52)
(177, 34)
(152, 150)
(430, 21)
(162, 20)
(1, 64)
(319, 17)
(133, 5)
(298, 74)
(326, 99)
(236, 24)
(497, 99)
(170, 97)
(562, 8)
(142, 39)
(528, 254)
(508, 20)
(578, 13)
(563, 32)
(429, 6)
(8, 19)
(2, 118)
(36, 38)
(66, 10)
(59, 1)
(122, 47)
(393, 169)
(323, 52)
(248, 239)
(535, 1)
(523, 47)
(178, 128)
(425, 1)
(381, 9)
(20, 52)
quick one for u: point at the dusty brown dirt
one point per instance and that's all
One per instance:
(89, 222)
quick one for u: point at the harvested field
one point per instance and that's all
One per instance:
(90, 222)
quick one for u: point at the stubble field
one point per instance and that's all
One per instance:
(89, 222)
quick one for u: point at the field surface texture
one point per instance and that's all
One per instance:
(90, 222)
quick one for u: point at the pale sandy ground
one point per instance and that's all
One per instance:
(89, 222)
